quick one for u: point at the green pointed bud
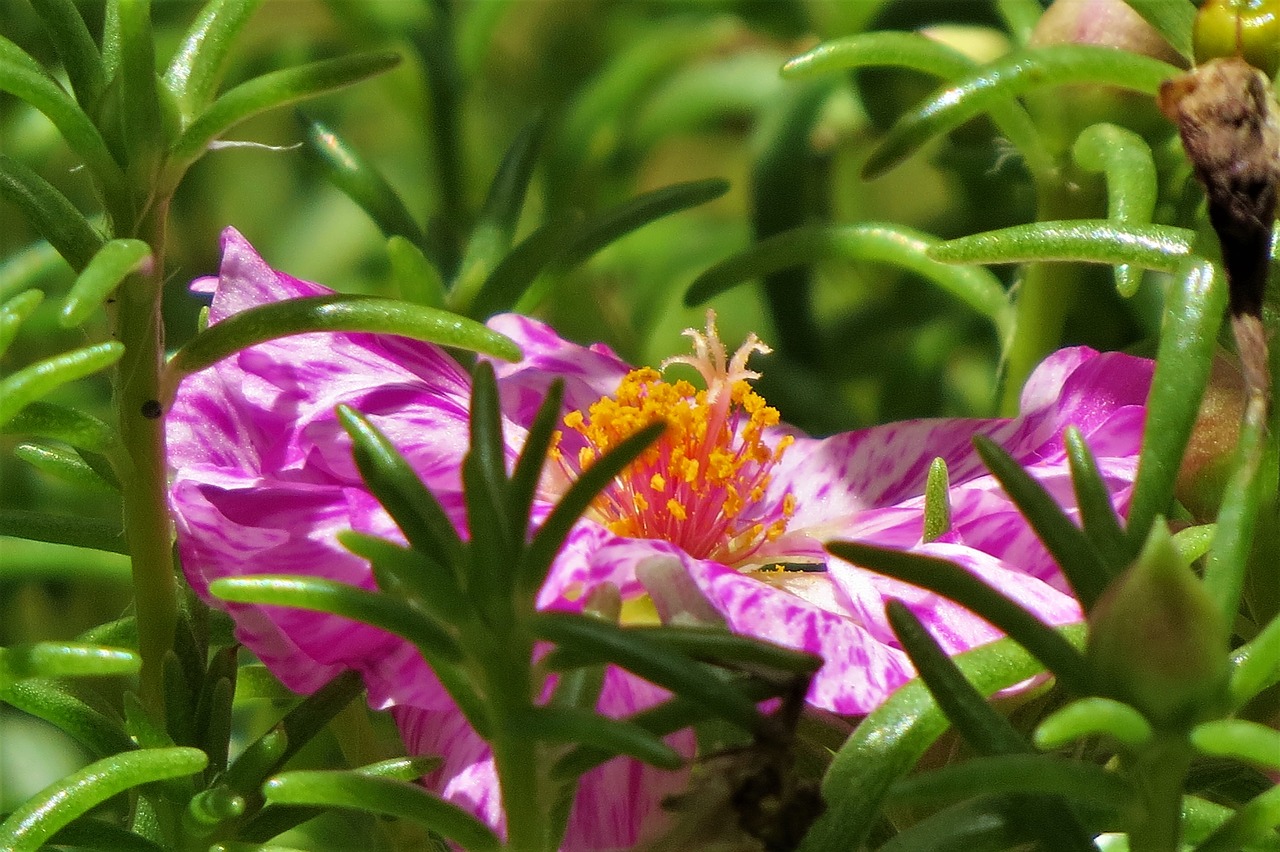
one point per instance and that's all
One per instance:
(1246, 28)
(937, 501)
(1210, 457)
(1157, 641)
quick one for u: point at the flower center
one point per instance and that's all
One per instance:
(703, 485)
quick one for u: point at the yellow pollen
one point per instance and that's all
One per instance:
(705, 484)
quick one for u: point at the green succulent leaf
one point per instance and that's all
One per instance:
(69, 425)
(67, 466)
(269, 91)
(73, 530)
(417, 278)
(112, 263)
(1090, 717)
(1097, 514)
(49, 212)
(1239, 739)
(1159, 247)
(348, 170)
(332, 314)
(76, 49)
(196, 69)
(64, 659)
(887, 744)
(1256, 664)
(586, 727)
(14, 313)
(1173, 19)
(1193, 314)
(387, 796)
(34, 822)
(145, 134)
(1081, 564)
(1008, 77)
(34, 381)
(872, 243)
(340, 599)
(520, 268)
(1077, 781)
(1254, 822)
(656, 662)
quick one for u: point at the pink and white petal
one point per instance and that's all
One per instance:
(236, 529)
(835, 478)
(955, 628)
(589, 372)
(591, 556)
(859, 671)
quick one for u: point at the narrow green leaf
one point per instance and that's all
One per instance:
(989, 824)
(887, 744)
(144, 133)
(29, 267)
(1081, 564)
(49, 212)
(1256, 664)
(1009, 77)
(1125, 158)
(66, 465)
(536, 560)
(64, 659)
(1091, 717)
(495, 227)
(986, 730)
(413, 507)
(269, 91)
(46, 420)
(386, 796)
(101, 836)
(1159, 247)
(1226, 569)
(348, 170)
(73, 530)
(196, 69)
(413, 573)
(28, 82)
(14, 313)
(657, 663)
(714, 645)
(573, 725)
(1172, 18)
(75, 46)
(35, 821)
(1255, 821)
(494, 543)
(1020, 18)
(533, 455)
(951, 581)
(112, 263)
(1035, 774)
(299, 726)
(337, 313)
(54, 703)
(335, 598)
(937, 501)
(868, 242)
(1194, 307)
(25, 386)
(417, 279)
(516, 272)
(922, 53)
(1239, 739)
(610, 225)
(1097, 514)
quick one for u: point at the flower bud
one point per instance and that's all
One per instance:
(1158, 642)
(1110, 23)
(1207, 463)
(1246, 28)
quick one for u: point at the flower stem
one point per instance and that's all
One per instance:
(139, 326)
(1045, 293)
(1158, 774)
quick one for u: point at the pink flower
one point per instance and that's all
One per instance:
(263, 481)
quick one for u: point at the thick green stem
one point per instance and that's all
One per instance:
(515, 753)
(1158, 774)
(139, 326)
(1044, 295)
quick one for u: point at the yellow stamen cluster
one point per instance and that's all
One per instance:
(703, 484)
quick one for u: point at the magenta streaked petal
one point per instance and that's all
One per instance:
(589, 372)
(835, 478)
